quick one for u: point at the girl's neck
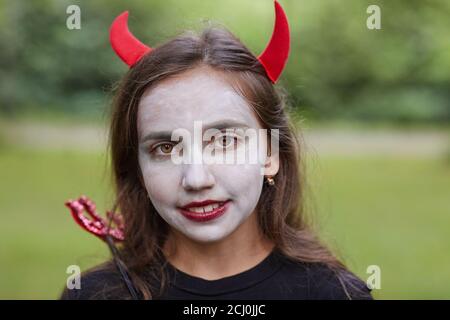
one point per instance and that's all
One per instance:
(238, 252)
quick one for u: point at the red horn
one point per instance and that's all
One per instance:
(126, 46)
(275, 56)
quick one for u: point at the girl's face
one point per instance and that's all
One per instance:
(197, 95)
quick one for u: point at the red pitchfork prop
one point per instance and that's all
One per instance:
(100, 228)
(95, 225)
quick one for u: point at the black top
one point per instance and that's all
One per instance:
(276, 277)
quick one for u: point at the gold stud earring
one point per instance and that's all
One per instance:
(270, 181)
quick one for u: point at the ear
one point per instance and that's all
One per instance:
(272, 164)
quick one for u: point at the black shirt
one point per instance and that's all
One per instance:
(276, 277)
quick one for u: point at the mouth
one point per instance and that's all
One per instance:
(204, 210)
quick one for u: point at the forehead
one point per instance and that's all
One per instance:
(200, 94)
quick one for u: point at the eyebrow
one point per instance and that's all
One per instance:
(219, 125)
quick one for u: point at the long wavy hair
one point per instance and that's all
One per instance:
(282, 214)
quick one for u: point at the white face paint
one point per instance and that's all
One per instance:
(197, 95)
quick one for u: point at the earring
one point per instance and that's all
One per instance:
(270, 181)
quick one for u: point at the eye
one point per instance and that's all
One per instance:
(226, 141)
(163, 148)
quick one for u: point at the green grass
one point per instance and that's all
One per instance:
(392, 212)
(39, 238)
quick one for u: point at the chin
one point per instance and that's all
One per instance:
(208, 237)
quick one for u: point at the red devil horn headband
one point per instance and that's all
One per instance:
(273, 58)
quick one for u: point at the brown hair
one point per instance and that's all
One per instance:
(281, 208)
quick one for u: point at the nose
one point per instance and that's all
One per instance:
(197, 177)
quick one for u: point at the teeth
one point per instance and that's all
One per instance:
(204, 209)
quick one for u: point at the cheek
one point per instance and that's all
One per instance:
(161, 182)
(243, 182)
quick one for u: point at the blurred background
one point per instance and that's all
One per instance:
(373, 106)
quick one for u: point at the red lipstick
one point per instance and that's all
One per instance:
(207, 214)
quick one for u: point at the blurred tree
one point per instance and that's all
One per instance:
(398, 73)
